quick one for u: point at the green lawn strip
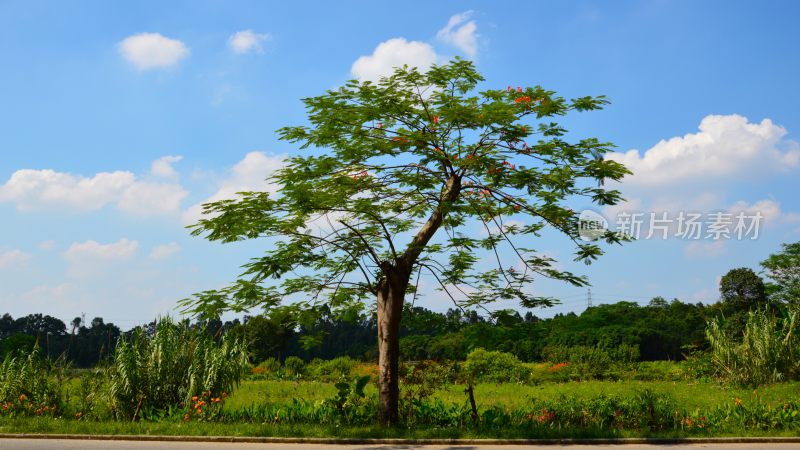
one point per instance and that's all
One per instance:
(41, 425)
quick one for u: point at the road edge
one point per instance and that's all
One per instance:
(395, 441)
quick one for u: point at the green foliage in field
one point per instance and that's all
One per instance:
(768, 352)
(632, 408)
(152, 373)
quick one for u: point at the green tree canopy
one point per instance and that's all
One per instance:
(392, 163)
(742, 290)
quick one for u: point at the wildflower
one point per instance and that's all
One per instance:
(194, 398)
(78, 415)
(738, 401)
(22, 397)
(435, 119)
(519, 89)
(509, 89)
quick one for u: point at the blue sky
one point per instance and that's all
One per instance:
(117, 120)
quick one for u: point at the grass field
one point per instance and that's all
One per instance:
(688, 395)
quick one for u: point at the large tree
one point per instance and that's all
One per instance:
(742, 290)
(416, 175)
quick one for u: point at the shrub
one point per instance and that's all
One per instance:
(294, 366)
(584, 363)
(494, 366)
(269, 366)
(152, 374)
(331, 370)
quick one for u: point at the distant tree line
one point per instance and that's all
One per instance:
(660, 330)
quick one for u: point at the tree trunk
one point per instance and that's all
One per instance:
(391, 288)
(391, 292)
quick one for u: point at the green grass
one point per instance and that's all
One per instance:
(176, 428)
(689, 395)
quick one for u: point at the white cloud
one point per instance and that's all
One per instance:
(725, 146)
(47, 245)
(700, 249)
(164, 251)
(246, 41)
(393, 53)
(35, 190)
(152, 50)
(461, 33)
(162, 167)
(249, 174)
(769, 209)
(13, 258)
(146, 198)
(48, 293)
(93, 251)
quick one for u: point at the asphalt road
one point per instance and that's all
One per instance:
(30, 444)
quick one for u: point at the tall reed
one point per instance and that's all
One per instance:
(768, 352)
(151, 374)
